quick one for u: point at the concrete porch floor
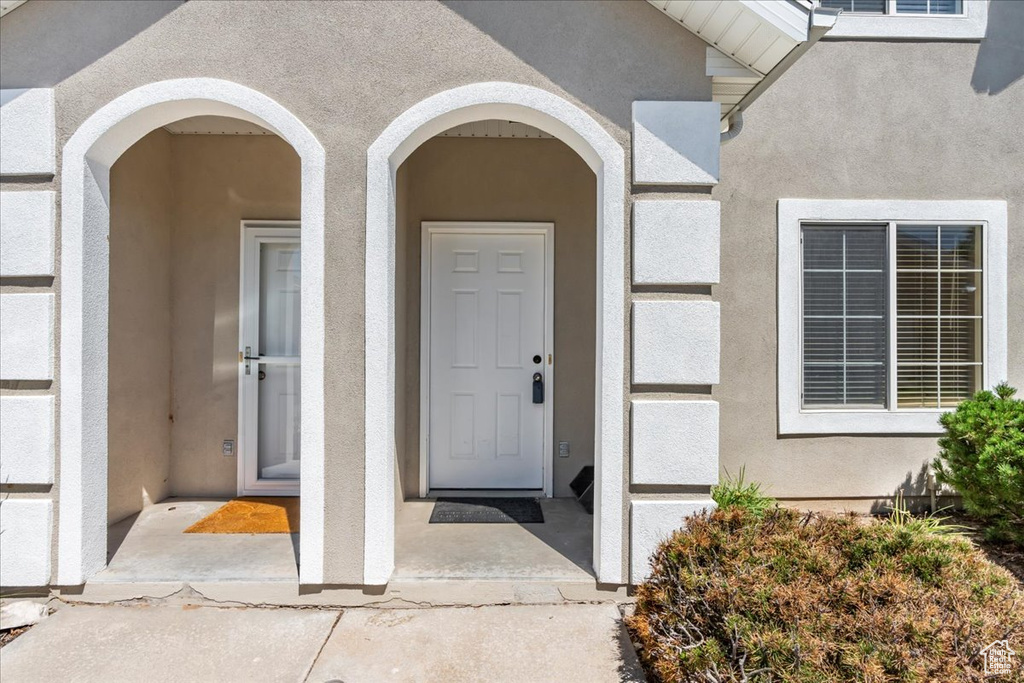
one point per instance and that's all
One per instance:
(557, 550)
(152, 547)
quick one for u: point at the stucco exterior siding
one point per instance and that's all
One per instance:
(373, 61)
(139, 374)
(855, 120)
(850, 120)
(177, 203)
(219, 181)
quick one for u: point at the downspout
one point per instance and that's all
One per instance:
(735, 127)
(819, 22)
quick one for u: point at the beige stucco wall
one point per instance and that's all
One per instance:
(139, 372)
(219, 180)
(347, 70)
(177, 202)
(464, 179)
(852, 119)
(858, 120)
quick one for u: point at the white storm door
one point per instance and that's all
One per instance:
(486, 342)
(269, 416)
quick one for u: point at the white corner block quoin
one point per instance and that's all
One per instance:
(676, 342)
(25, 542)
(676, 143)
(676, 242)
(651, 523)
(26, 439)
(26, 336)
(28, 125)
(675, 443)
(27, 222)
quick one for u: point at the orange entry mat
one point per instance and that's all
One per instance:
(251, 516)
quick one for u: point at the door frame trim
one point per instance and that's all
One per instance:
(252, 232)
(547, 230)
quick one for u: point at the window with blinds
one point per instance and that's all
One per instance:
(938, 314)
(844, 308)
(896, 6)
(866, 288)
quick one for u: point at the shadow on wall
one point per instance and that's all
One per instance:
(570, 42)
(915, 494)
(1000, 60)
(44, 43)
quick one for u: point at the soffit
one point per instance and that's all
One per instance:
(751, 41)
(214, 125)
(757, 34)
(9, 6)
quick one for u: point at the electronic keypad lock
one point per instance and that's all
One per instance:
(538, 387)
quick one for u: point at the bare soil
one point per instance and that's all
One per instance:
(1006, 555)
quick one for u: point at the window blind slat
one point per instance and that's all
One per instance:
(938, 311)
(844, 315)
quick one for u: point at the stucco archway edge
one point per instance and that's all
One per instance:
(576, 128)
(85, 219)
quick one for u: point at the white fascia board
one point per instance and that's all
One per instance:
(969, 26)
(793, 419)
(785, 17)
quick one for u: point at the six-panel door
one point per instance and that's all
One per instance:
(487, 298)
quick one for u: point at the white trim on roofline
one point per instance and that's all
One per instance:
(793, 419)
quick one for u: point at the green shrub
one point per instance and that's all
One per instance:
(793, 597)
(735, 492)
(982, 457)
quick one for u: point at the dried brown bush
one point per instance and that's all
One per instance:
(801, 597)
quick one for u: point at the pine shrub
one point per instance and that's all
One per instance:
(982, 457)
(791, 597)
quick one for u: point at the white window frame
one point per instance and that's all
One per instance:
(792, 214)
(971, 24)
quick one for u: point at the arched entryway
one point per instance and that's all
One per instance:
(577, 129)
(85, 223)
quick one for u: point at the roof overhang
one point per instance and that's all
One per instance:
(752, 41)
(9, 6)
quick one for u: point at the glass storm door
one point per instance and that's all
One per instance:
(269, 415)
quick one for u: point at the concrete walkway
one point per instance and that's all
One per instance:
(187, 643)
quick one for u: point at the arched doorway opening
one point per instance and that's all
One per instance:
(575, 128)
(84, 417)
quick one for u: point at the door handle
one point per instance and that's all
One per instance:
(244, 356)
(538, 387)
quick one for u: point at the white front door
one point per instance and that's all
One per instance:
(488, 337)
(269, 406)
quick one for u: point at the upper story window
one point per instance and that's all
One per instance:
(896, 6)
(890, 312)
(909, 19)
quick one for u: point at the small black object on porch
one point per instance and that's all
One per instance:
(583, 487)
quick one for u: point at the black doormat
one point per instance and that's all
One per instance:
(487, 511)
